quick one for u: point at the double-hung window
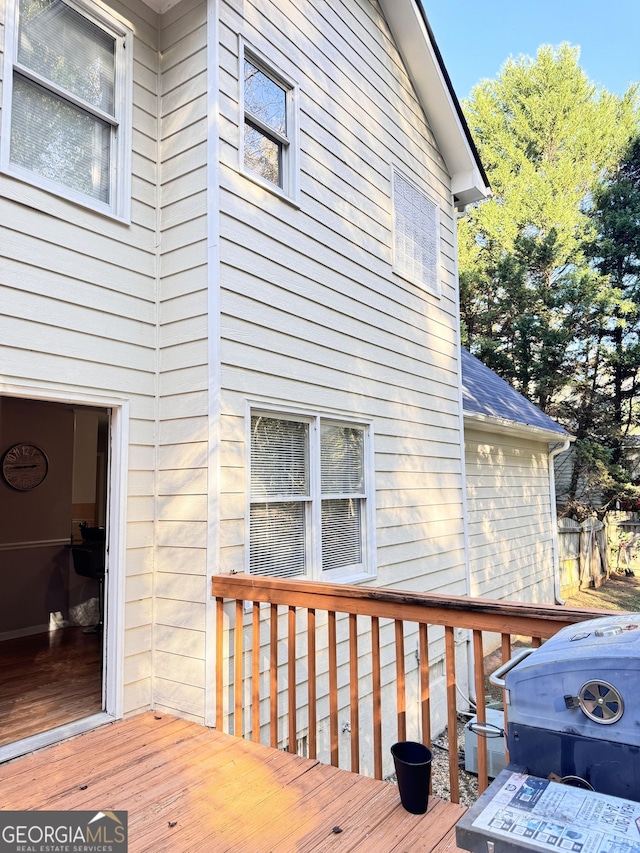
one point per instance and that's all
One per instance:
(416, 234)
(269, 134)
(311, 504)
(67, 102)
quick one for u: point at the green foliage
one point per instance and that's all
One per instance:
(549, 266)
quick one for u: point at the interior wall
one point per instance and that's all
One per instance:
(35, 525)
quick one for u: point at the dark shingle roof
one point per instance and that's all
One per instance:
(485, 393)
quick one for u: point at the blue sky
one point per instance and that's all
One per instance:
(476, 38)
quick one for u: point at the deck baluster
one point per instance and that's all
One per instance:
(354, 700)
(452, 717)
(377, 706)
(312, 740)
(291, 679)
(333, 689)
(273, 676)
(255, 672)
(481, 713)
(401, 692)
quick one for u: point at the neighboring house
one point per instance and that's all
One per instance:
(229, 317)
(511, 503)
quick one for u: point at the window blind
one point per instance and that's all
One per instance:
(63, 104)
(342, 459)
(341, 533)
(279, 458)
(278, 539)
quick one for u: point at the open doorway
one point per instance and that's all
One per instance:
(53, 561)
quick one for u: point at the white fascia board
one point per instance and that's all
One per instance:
(485, 423)
(412, 39)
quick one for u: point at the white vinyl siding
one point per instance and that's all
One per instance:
(508, 502)
(182, 563)
(312, 314)
(67, 102)
(78, 293)
(307, 520)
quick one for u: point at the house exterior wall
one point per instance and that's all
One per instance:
(312, 316)
(181, 590)
(511, 535)
(78, 321)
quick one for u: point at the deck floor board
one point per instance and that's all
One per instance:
(186, 787)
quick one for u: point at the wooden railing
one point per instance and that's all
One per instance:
(252, 664)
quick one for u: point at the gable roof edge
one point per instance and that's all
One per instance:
(425, 66)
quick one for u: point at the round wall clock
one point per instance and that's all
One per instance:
(24, 466)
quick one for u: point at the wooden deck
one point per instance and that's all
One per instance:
(189, 788)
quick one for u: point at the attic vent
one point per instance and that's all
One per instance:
(416, 244)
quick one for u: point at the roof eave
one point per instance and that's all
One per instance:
(413, 36)
(488, 423)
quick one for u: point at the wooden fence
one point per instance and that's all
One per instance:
(583, 551)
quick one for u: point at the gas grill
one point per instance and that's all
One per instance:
(573, 706)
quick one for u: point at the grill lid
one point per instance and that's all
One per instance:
(584, 680)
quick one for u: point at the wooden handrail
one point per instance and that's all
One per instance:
(398, 607)
(455, 611)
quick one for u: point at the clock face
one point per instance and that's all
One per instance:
(24, 466)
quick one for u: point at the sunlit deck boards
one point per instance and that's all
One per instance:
(189, 788)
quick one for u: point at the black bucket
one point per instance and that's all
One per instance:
(413, 771)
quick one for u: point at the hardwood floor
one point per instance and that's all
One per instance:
(188, 788)
(47, 680)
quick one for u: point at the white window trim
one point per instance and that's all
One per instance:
(314, 552)
(437, 291)
(120, 179)
(290, 191)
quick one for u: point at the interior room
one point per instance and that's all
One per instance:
(53, 505)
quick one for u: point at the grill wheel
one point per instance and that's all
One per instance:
(601, 702)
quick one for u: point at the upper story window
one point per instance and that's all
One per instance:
(269, 148)
(67, 102)
(416, 234)
(311, 498)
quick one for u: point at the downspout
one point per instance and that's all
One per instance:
(556, 450)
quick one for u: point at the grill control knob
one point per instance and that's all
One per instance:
(610, 631)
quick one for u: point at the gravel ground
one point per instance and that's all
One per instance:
(440, 769)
